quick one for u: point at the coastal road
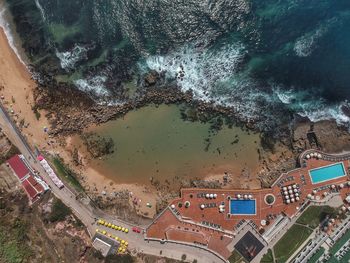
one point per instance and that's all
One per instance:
(89, 215)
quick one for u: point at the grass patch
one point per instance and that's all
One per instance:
(236, 257)
(268, 257)
(316, 256)
(67, 174)
(340, 242)
(13, 248)
(314, 215)
(290, 242)
(59, 211)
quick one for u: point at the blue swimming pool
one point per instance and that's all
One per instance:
(242, 207)
(327, 173)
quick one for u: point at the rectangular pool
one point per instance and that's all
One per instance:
(327, 173)
(242, 207)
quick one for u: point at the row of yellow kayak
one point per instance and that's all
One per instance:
(110, 225)
(123, 243)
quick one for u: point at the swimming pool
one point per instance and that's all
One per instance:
(242, 207)
(327, 173)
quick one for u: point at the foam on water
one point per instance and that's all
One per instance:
(306, 44)
(71, 57)
(199, 70)
(8, 32)
(306, 104)
(94, 85)
(42, 11)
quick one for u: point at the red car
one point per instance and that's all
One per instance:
(136, 229)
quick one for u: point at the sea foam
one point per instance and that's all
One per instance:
(4, 13)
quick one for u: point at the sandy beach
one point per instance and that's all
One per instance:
(16, 91)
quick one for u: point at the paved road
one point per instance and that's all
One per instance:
(88, 215)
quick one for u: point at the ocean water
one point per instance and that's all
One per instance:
(266, 59)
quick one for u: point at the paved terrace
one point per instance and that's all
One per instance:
(202, 217)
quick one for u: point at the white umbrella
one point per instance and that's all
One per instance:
(250, 196)
(290, 191)
(238, 196)
(341, 185)
(308, 156)
(292, 200)
(172, 206)
(207, 196)
(284, 188)
(294, 186)
(215, 195)
(314, 192)
(297, 198)
(202, 206)
(288, 201)
(211, 196)
(295, 190)
(245, 196)
(289, 187)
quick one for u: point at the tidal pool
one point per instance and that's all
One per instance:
(156, 142)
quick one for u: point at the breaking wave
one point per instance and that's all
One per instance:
(201, 71)
(307, 104)
(70, 58)
(4, 13)
(93, 85)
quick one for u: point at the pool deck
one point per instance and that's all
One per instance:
(216, 231)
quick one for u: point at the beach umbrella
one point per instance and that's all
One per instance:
(311, 155)
(202, 206)
(294, 186)
(285, 192)
(341, 185)
(284, 188)
(250, 196)
(263, 222)
(211, 196)
(126, 243)
(207, 196)
(348, 183)
(292, 200)
(295, 190)
(309, 196)
(320, 156)
(297, 198)
(123, 250)
(123, 229)
(289, 187)
(239, 196)
(325, 193)
(215, 195)
(172, 206)
(307, 156)
(109, 225)
(287, 196)
(288, 201)
(104, 232)
(245, 196)
(97, 230)
(126, 230)
(296, 194)
(343, 208)
(333, 186)
(290, 191)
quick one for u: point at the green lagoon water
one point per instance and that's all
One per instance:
(156, 142)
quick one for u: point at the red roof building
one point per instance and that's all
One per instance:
(18, 166)
(29, 183)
